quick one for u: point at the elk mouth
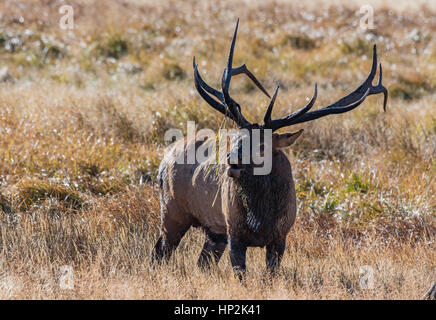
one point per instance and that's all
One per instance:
(234, 171)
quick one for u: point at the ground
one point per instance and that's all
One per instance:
(83, 113)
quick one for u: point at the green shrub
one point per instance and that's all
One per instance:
(172, 71)
(356, 184)
(114, 47)
(300, 42)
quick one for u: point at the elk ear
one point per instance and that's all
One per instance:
(285, 140)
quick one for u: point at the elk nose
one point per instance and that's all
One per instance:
(232, 161)
(234, 169)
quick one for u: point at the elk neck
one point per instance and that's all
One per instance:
(264, 198)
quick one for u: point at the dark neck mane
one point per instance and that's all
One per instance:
(264, 200)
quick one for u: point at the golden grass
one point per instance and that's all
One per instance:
(82, 130)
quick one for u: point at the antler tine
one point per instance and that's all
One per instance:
(268, 112)
(202, 87)
(279, 123)
(244, 69)
(379, 88)
(229, 71)
(326, 111)
(233, 106)
(358, 93)
(346, 103)
(227, 74)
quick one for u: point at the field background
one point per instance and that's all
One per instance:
(82, 118)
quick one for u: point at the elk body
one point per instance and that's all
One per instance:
(232, 204)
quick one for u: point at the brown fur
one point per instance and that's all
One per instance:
(255, 210)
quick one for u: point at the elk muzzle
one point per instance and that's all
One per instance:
(234, 169)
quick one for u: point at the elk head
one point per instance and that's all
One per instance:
(225, 104)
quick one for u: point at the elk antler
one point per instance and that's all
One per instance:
(226, 104)
(344, 104)
(229, 107)
(268, 124)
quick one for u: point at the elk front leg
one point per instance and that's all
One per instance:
(214, 246)
(274, 254)
(238, 252)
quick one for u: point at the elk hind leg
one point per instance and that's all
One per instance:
(174, 226)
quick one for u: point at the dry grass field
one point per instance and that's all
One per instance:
(82, 118)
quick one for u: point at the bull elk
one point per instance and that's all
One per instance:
(232, 204)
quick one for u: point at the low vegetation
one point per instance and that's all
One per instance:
(82, 118)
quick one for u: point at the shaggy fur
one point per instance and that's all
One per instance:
(264, 200)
